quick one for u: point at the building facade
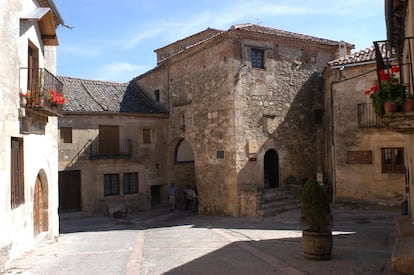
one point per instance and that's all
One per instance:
(364, 158)
(248, 102)
(111, 148)
(28, 126)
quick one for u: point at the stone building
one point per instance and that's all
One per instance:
(365, 159)
(247, 104)
(111, 148)
(28, 125)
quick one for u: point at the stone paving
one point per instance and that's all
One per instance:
(161, 242)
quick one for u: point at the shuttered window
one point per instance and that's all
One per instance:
(146, 136)
(65, 135)
(17, 172)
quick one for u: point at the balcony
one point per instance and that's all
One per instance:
(399, 53)
(367, 118)
(111, 149)
(41, 91)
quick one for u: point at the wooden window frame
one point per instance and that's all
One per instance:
(16, 172)
(157, 95)
(146, 136)
(392, 160)
(111, 185)
(130, 183)
(65, 134)
(257, 58)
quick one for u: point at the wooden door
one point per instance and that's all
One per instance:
(38, 208)
(33, 71)
(108, 140)
(69, 191)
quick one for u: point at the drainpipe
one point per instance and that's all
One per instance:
(333, 145)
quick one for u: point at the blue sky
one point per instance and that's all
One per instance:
(115, 40)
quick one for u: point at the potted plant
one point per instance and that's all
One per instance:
(316, 220)
(54, 98)
(389, 94)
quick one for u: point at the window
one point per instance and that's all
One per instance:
(183, 152)
(65, 135)
(392, 160)
(256, 56)
(157, 95)
(130, 183)
(146, 136)
(16, 172)
(108, 140)
(111, 184)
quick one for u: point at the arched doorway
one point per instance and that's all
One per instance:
(40, 207)
(271, 169)
(182, 168)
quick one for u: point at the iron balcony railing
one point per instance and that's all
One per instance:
(367, 118)
(41, 91)
(399, 52)
(110, 149)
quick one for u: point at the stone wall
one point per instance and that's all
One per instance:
(147, 159)
(218, 102)
(357, 181)
(276, 108)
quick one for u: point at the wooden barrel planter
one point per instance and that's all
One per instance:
(317, 245)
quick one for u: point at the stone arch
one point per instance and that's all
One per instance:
(181, 167)
(271, 169)
(41, 204)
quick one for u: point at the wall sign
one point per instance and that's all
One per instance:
(359, 157)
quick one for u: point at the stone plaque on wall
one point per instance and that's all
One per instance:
(359, 157)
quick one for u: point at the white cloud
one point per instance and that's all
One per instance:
(134, 40)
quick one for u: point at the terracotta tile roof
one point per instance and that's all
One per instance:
(101, 96)
(362, 56)
(276, 32)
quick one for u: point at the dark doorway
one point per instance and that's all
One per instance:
(271, 169)
(155, 195)
(69, 191)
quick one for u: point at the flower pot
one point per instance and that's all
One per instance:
(409, 105)
(390, 108)
(39, 101)
(317, 245)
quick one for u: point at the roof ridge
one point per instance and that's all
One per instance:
(278, 32)
(70, 78)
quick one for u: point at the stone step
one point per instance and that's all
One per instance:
(276, 194)
(403, 255)
(277, 210)
(275, 201)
